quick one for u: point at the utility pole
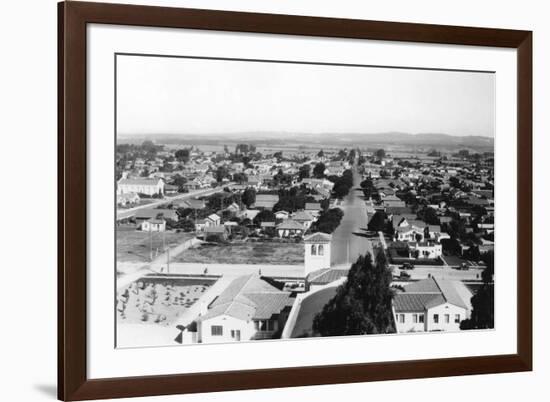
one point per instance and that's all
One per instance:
(150, 244)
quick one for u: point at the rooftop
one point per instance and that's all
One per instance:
(427, 293)
(249, 297)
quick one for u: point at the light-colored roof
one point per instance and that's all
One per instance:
(326, 275)
(215, 229)
(290, 224)
(302, 216)
(318, 237)
(427, 293)
(141, 181)
(313, 205)
(213, 217)
(267, 197)
(264, 204)
(249, 297)
(416, 302)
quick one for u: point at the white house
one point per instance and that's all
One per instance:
(290, 228)
(210, 221)
(304, 218)
(409, 233)
(249, 308)
(431, 305)
(127, 199)
(317, 252)
(141, 185)
(426, 249)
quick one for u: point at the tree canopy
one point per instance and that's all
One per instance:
(249, 196)
(319, 170)
(328, 221)
(182, 155)
(483, 302)
(380, 153)
(362, 305)
(264, 216)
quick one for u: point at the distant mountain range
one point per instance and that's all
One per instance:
(347, 139)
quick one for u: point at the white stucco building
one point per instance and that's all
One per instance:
(317, 252)
(141, 185)
(431, 305)
(249, 308)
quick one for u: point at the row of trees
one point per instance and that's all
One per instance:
(342, 184)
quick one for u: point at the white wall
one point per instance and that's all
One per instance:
(28, 97)
(228, 323)
(441, 325)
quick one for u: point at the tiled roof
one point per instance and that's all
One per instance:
(423, 286)
(249, 297)
(326, 275)
(318, 237)
(427, 293)
(405, 302)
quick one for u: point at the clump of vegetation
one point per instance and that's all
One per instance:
(362, 305)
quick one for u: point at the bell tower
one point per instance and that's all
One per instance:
(317, 252)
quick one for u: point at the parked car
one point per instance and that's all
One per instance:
(407, 266)
(404, 275)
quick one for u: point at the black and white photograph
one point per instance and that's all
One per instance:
(274, 200)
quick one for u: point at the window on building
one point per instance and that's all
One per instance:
(447, 318)
(401, 318)
(457, 318)
(236, 334)
(415, 318)
(264, 325)
(421, 318)
(321, 251)
(313, 250)
(216, 330)
(436, 318)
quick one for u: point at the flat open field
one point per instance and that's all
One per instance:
(245, 253)
(134, 245)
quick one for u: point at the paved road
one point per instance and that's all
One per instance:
(125, 213)
(347, 244)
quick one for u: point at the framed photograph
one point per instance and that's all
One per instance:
(254, 200)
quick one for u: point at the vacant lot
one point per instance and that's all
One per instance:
(135, 246)
(245, 253)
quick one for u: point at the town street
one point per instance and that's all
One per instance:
(126, 213)
(347, 241)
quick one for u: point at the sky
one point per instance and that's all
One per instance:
(161, 95)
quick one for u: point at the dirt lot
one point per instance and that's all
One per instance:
(245, 253)
(155, 303)
(134, 245)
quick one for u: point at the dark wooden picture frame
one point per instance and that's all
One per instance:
(73, 17)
